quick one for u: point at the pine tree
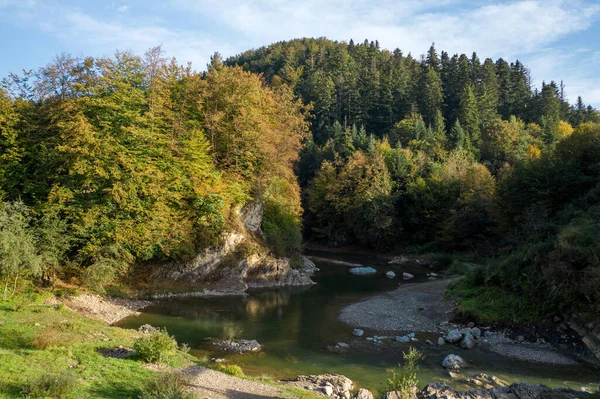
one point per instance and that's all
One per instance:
(469, 117)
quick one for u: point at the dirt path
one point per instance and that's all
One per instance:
(415, 307)
(212, 384)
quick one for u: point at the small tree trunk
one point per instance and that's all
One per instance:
(5, 290)
(15, 286)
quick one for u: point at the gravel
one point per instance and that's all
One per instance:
(416, 307)
(534, 355)
(106, 309)
(207, 383)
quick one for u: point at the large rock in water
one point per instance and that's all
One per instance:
(362, 270)
(239, 346)
(307, 266)
(453, 362)
(514, 391)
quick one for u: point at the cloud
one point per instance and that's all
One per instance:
(194, 29)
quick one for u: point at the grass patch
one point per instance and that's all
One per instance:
(52, 385)
(167, 386)
(493, 305)
(42, 340)
(230, 369)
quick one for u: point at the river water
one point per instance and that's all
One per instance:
(295, 326)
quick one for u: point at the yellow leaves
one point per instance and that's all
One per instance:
(533, 152)
(564, 129)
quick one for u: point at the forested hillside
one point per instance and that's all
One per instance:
(108, 163)
(449, 153)
(111, 162)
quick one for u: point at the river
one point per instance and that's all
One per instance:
(295, 326)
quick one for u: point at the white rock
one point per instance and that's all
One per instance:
(363, 394)
(407, 276)
(362, 270)
(468, 342)
(357, 332)
(441, 341)
(390, 274)
(328, 390)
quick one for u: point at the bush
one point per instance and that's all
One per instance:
(230, 369)
(51, 385)
(404, 378)
(155, 347)
(168, 386)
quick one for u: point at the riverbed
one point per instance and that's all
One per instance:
(296, 325)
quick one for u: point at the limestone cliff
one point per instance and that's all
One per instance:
(241, 260)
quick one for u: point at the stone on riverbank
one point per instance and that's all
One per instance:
(468, 342)
(453, 362)
(407, 276)
(333, 385)
(363, 394)
(514, 391)
(390, 274)
(454, 336)
(357, 332)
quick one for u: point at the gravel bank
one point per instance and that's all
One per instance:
(207, 383)
(417, 307)
(106, 309)
(534, 355)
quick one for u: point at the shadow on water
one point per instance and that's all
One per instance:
(295, 326)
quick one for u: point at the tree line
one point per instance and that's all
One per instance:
(447, 153)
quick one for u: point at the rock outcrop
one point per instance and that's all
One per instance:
(241, 260)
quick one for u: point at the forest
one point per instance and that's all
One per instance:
(107, 164)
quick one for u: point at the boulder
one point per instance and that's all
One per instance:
(390, 274)
(476, 332)
(468, 342)
(147, 328)
(239, 346)
(307, 266)
(441, 341)
(407, 276)
(333, 385)
(363, 394)
(362, 270)
(453, 362)
(357, 332)
(454, 336)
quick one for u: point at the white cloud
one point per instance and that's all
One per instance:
(524, 29)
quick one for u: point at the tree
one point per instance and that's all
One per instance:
(18, 254)
(469, 117)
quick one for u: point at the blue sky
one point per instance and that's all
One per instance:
(556, 39)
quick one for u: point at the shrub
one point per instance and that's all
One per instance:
(230, 369)
(167, 386)
(404, 378)
(51, 385)
(155, 347)
(50, 338)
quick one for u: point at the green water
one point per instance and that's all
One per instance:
(296, 325)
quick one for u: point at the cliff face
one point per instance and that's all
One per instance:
(241, 260)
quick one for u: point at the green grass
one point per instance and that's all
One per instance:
(38, 339)
(48, 350)
(493, 305)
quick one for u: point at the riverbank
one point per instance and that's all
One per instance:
(422, 308)
(42, 339)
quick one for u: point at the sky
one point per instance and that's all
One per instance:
(556, 39)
